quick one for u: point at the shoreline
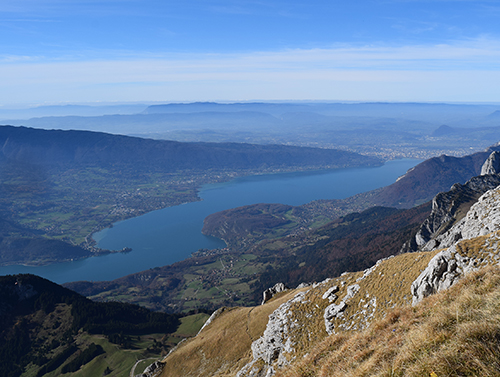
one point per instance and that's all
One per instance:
(231, 176)
(61, 274)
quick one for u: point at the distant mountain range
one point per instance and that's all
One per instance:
(254, 116)
(65, 110)
(423, 111)
(415, 111)
(386, 129)
(56, 147)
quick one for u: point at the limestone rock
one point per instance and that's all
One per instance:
(333, 311)
(447, 209)
(275, 343)
(153, 370)
(214, 315)
(492, 164)
(442, 271)
(449, 265)
(303, 285)
(270, 292)
(330, 293)
(481, 219)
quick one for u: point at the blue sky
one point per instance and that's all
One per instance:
(91, 51)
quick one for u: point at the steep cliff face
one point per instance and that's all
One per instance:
(293, 322)
(450, 207)
(492, 164)
(480, 232)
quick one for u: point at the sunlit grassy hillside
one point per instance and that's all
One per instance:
(224, 346)
(453, 333)
(376, 333)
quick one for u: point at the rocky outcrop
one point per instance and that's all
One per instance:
(333, 311)
(483, 219)
(153, 370)
(275, 343)
(330, 294)
(270, 292)
(448, 208)
(441, 273)
(336, 311)
(492, 164)
(214, 315)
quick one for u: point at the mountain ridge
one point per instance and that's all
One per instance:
(388, 130)
(419, 185)
(86, 147)
(352, 301)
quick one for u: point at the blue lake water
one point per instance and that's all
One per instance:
(169, 235)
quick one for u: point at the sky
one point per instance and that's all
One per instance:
(110, 51)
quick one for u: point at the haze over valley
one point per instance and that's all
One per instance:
(247, 189)
(387, 130)
(58, 187)
(67, 180)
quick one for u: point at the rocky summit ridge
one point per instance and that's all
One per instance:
(451, 206)
(461, 235)
(479, 232)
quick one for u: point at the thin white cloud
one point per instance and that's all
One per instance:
(258, 8)
(466, 71)
(17, 58)
(471, 54)
(60, 8)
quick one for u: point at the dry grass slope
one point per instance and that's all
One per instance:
(388, 285)
(377, 333)
(223, 347)
(453, 333)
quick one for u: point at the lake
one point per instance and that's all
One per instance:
(169, 235)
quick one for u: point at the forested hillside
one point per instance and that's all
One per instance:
(41, 325)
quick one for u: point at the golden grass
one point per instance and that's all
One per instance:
(389, 285)
(453, 333)
(223, 347)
